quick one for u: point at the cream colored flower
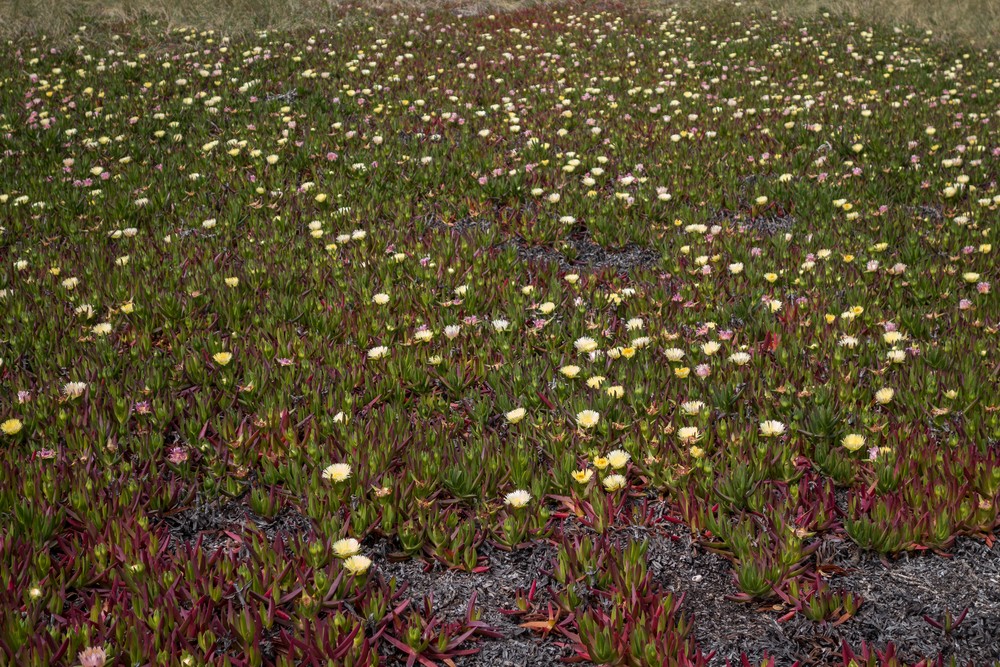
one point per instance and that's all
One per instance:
(517, 499)
(884, 395)
(853, 442)
(739, 358)
(688, 434)
(337, 472)
(378, 352)
(614, 482)
(515, 415)
(74, 389)
(618, 458)
(357, 565)
(570, 371)
(585, 344)
(583, 476)
(692, 407)
(222, 358)
(346, 547)
(771, 428)
(673, 354)
(588, 418)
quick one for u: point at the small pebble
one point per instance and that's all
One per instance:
(696, 578)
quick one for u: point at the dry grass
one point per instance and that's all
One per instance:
(976, 22)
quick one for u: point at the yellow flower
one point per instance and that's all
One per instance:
(830, 318)
(770, 277)
(595, 381)
(970, 277)
(628, 352)
(696, 452)
(11, 427)
(222, 358)
(570, 371)
(546, 308)
(601, 462)
(232, 282)
(583, 476)
(682, 372)
(357, 565)
(127, 307)
(616, 391)
(853, 442)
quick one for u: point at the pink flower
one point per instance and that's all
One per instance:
(983, 288)
(964, 304)
(702, 370)
(92, 657)
(177, 456)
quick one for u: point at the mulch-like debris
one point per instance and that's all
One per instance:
(897, 594)
(588, 254)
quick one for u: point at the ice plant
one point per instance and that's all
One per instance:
(587, 418)
(337, 472)
(517, 499)
(11, 426)
(771, 428)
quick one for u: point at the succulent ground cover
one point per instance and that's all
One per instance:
(577, 333)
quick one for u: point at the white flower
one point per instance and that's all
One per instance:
(378, 352)
(771, 428)
(673, 354)
(500, 325)
(688, 434)
(585, 344)
(588, 418)
(739, 358)
(337, 472)
(614, 482)
(381, 298)
(710, 348)
(692, 407)
(517, 499)
(515, 415)
(452, 331)
(357, 565)
(74, 389)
